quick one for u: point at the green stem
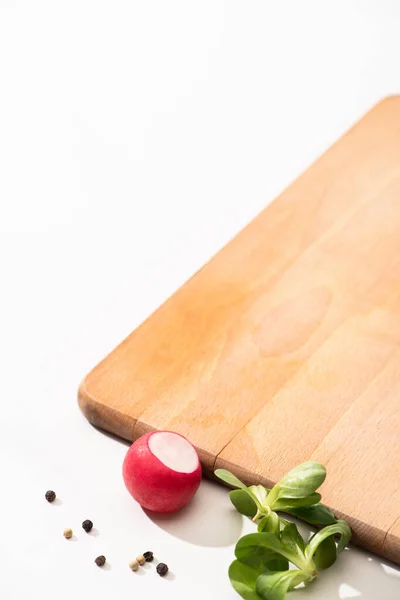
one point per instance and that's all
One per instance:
(256, 516)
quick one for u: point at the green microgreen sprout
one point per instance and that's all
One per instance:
(261, 569)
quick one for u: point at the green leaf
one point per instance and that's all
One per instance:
(285, 504)
(318, 514)
(269, 524)
(301, 481)
(345, 535)
(243, 502)
(233, 481)
(326, 554)
(278, 564)
(230, 479)
(243, 579)
(256, 556)
(273, 586)
(259, 549)
(340, 528)
(260, 492)
(291, 539)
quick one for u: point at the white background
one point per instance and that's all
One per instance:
(136, 138)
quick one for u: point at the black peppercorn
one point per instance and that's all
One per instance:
(162, 569)
(148, 556)
(50, 496)
(100, 560)
(87, 525)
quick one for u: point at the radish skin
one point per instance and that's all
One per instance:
(162, 471)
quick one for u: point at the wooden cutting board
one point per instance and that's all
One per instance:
(286, 345)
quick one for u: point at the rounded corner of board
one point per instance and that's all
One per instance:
(90, 407)
(386, 102)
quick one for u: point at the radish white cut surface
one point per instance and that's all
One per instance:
(174, 451)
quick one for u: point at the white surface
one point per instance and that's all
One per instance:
(135, 139)
(174, 451)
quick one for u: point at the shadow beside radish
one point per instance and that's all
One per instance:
(208, 520)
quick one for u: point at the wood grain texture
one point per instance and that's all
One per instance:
(286, 345)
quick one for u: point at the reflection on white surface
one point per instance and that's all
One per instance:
(347, 591)
(391, 571)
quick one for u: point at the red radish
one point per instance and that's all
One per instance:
(162, 471)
